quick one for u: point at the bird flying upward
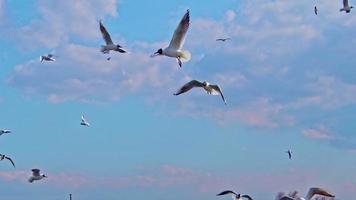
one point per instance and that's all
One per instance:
(110, 46)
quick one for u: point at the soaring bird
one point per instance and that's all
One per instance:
(311, 193)
(315, 10)
(36, 176)
(4, 131)
(110, 46)
(48, 57)
(289, 152)
(347, 8)
(175, 47)
(234, 195)
(222, 39)
(2, 157)
(84, 122)
(210, 89)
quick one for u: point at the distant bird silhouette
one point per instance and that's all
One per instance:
(222, 39)
(234, 195)
(4, 131)
(48, 57)
(315, 10)
(210, 89)
(289, 152)
(347, 8)
(36, 176)
(2, 157)
(311, 193)
(84, 122)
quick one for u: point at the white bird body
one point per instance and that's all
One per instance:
(36, 176)
(347, 8)
(84, 122)
(175, 46)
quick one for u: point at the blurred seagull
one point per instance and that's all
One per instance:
(84, 122)
(4, 131)
(210, 89)
(315, 10)
(175, 47)
(48, 57)
(222, 39)
(311, 193)
(234, 195)
(36, 176)
(110, 46)
(289, 152)
(2, 157)
(347, 8)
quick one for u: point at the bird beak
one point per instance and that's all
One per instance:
(155, 54)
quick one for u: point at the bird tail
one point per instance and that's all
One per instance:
(185, 56)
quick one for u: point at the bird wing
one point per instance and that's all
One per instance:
(180, 32)
(217, 91)
(246, 196)
(286, 198)
(318, 191)
(188, 86)
(83, 119)
(105, 33)
(346, 3)
(35, 172)
(12, 162)
(226, 192)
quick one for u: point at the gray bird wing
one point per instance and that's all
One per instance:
(226, 192)
(246, 196)
(180, 32)
(217, 91)
(286, 198)
(188, 86)
(318, 191)
(105, 34)
(12, 162)
(35, 172)
(346, 3)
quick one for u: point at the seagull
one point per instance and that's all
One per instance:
(210, 89)
(315, 10)
(84, 122)
(346, 7)
(234, 195)
(110, 46)
(175, 47)
(222, 39)
(48, 57)
(311, 193)
(4, 131)
(36, 176)
(2, 157)
(289, 152)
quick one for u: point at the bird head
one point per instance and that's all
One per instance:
(158, 52)
(44, 176)
(205, 83)
(351, 7)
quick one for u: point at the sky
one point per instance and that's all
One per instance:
(287, 76)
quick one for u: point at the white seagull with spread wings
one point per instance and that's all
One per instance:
(36, 176)
(4, 131)
(311, 193)
(235, 196)
(347, 8)
(84, 122)
(210, 89)
(110, 46)
(2, 157)
(175, 47)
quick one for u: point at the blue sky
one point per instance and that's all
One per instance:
(287, 75)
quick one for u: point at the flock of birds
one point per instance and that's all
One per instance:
(175, 50)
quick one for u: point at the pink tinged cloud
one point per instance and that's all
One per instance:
(316, 134)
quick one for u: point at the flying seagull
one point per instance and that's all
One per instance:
(234, 195)
(175, 47)
(210, 89)
(315, 10)
(347, 8)
(84, 122)
(48, 57)
(222, 39)
(36, 176)
(4, 131)
(311, 193)
(2, 157)
(110, 46)
(289, 152)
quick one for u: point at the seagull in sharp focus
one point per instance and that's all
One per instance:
(210, 89)
(36, 176)
(110, 46)
(347, 8)
(222, 39)
(84, 122)
(311, 193)
(289, 152)
(234, 195)
(48, 57)
(315, 10)
(175, 47)
(4, 131)
(2, 157)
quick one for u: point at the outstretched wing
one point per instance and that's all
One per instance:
(318, 191)
(246, 196)
(105, 33)
(346, 3)
(286, 198)
(226, 192)
(35, 172)
(180, 32)
(188, 86)
(217, 91)
(12, 162)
